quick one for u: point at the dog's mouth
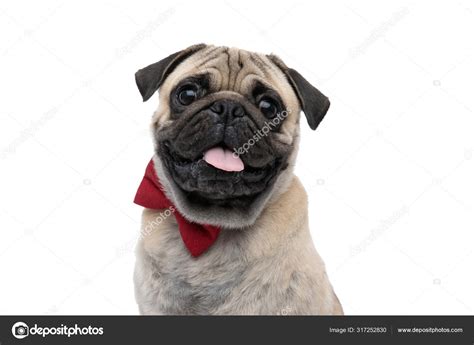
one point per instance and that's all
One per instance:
(219, 175)
(223, 159)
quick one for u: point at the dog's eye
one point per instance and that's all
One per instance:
(187, 95)
(268, 107)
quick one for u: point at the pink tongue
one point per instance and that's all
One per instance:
(223, 159)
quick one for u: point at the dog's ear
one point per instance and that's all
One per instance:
(313, 103)
(150, 78)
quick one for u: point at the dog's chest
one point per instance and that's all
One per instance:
(185, 285)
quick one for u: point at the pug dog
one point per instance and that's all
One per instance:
(225, 225)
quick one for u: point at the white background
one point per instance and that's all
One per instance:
(389, 172)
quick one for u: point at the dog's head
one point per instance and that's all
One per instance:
(227, 129)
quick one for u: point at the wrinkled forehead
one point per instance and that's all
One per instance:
(233, 69)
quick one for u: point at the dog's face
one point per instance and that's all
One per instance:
(226, 130)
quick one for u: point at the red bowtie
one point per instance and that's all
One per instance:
(197, 237)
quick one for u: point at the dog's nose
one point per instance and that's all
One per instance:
(227, 107)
